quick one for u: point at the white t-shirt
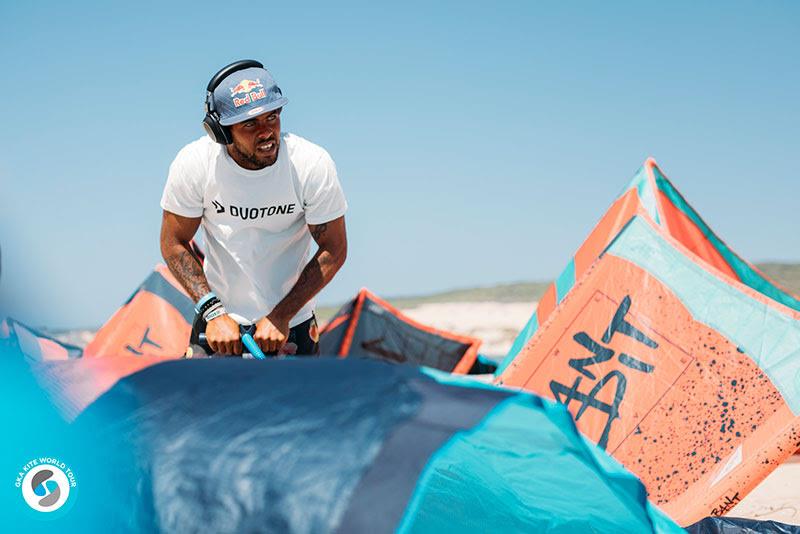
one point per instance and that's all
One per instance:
(255, 222)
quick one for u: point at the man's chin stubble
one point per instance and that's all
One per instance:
(255, 162)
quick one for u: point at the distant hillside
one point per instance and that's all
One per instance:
(786, 274)
(517, 292)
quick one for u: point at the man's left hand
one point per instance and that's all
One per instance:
(271, 333)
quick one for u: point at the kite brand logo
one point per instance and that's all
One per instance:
(146, 340)
(219, 207)
(248, 89)
(246, 213)
(46, 484)
(725, 506)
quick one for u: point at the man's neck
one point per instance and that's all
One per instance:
(243, 160)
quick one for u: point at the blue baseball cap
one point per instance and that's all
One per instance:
(246, 94)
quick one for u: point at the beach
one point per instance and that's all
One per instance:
(496, 323)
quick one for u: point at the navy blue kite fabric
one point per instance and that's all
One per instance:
(232, 445)
(354, 445)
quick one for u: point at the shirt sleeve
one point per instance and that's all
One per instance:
(183, 192)
(323, 198)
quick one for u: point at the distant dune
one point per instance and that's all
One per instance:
(786, 274)
(496, 323)
(80, 338)
(492, 313)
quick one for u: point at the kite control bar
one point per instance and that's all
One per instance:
(252, 346)
(247, 340)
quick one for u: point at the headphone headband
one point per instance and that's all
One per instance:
(227, 70)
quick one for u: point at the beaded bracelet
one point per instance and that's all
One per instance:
(207, 305)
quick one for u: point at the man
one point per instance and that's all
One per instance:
(261, 196)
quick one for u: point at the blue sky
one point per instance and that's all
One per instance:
(477, 143)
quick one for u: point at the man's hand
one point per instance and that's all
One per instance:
(222, 335)
(271, 333)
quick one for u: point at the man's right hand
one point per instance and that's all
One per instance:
(222, 335)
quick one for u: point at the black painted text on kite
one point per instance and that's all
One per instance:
(601, 353)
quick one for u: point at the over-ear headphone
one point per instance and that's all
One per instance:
(219, 133)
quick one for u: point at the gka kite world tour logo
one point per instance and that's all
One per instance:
(46, 484)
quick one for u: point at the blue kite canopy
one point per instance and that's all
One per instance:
(328, 445)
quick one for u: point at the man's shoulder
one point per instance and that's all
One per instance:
(195, 159)
(302, 151)
(200, 148)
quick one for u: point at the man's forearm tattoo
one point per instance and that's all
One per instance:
(312, 278)
(318, 231)
(187, 269)
(311, 274)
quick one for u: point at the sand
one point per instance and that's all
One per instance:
(776, 498)
(496, 323)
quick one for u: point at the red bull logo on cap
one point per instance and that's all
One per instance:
(252, 89)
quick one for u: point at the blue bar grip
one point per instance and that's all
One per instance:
(248, 341)
(252, 346)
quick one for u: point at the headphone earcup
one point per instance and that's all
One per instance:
(227, 138)
(219, 133)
